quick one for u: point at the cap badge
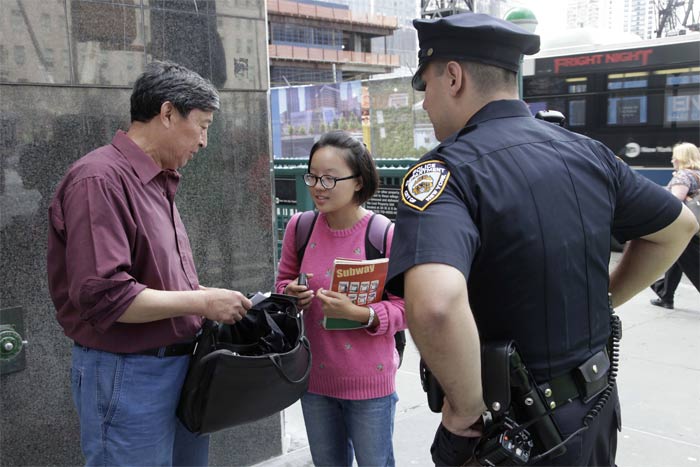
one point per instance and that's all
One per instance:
(429, 52)
(424, 183)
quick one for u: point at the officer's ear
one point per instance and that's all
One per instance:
(455, 75)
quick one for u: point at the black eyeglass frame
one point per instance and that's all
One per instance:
(308, 176)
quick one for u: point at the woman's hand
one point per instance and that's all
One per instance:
(303, 293)
(338, 305)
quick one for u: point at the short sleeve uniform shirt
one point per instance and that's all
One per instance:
(525, 210)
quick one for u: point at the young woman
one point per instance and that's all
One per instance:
(684, 184)
(351, 401)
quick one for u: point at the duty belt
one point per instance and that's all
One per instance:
(586, 381)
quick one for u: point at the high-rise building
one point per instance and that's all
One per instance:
(497, 8)
(633, 16)
(596, 14)
(313, 41)
(640, 18)
(404, 41)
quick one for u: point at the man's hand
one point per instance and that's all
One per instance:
(223, 305)
(303, 294)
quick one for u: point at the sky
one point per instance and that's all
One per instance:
(550, 14)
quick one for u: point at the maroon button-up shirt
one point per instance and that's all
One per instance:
(114, 230)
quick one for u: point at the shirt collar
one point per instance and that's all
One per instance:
(500, 109)
(491, 111)
(144, 166)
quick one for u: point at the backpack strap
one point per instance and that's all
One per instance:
(376, 236)
(302, 232)
(375, 247)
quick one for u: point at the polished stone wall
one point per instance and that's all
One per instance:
(66, 67)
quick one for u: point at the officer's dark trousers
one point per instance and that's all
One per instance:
(594, 447)
(688, 263)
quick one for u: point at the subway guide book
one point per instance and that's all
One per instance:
(362, 281)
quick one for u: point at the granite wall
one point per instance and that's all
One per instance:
(66, 69)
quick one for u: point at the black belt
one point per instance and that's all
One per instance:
(586, 381)
(174, 350)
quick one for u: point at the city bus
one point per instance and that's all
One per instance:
(638, 98)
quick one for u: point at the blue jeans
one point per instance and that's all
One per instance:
(339, 428)
(126, 405)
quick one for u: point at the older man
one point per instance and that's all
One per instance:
(123, 280)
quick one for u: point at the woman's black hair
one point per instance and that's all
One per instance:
(357, 157)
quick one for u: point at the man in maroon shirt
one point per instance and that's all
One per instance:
(123, 280)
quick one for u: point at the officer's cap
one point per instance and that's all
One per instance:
(472, 37)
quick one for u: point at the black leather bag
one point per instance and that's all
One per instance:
(246, 371)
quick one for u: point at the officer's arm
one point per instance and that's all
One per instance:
(648, 257)
(443, 328)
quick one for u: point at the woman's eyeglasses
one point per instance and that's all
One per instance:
(328, 182)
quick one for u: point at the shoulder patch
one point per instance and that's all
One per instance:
(424, 183)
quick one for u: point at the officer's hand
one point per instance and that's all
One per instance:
(303, 293)
(466, 426)
(223, 305)
(338, 305)
(448, 449)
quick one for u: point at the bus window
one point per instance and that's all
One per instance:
(682, 103)
(627, 110)
(577, 85)
(628, 80)
(577, 113)
(684, 108)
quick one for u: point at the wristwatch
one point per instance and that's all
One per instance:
(372, 314)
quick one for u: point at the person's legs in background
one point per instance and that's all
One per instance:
(665, 287)
(690, 261)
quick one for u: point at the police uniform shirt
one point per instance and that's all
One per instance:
(525, 209)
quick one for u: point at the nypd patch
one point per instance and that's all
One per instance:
(424, 183)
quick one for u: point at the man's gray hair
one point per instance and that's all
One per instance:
(163, 81)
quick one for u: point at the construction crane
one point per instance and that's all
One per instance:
(442, 8)
(675, 16)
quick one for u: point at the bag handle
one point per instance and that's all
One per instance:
(275, 359)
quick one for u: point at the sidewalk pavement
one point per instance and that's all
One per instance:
(659, 386)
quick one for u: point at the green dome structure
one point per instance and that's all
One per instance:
(523, 17)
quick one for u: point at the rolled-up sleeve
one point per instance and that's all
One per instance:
(288, 269)
(99, 232)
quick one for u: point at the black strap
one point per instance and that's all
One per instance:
(174, 350)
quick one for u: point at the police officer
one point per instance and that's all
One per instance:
(503, 232)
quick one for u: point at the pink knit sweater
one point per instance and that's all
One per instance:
(356, 364)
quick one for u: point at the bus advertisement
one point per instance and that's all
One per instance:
(639, 99)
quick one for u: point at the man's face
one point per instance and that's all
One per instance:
(436, 100)
(188, 135)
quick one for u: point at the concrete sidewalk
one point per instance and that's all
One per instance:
(659, 385)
